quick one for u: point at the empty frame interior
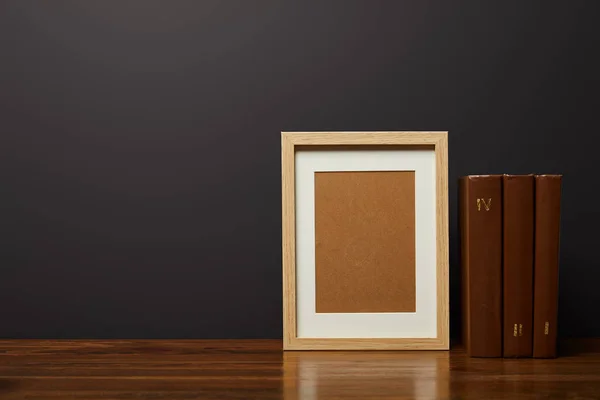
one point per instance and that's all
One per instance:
(365, 241)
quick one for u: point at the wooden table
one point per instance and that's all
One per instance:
(258, 369)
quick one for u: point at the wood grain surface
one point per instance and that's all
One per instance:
(258, 369)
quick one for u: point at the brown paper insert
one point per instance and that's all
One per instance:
(365, 241)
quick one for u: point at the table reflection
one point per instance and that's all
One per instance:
(323, 374)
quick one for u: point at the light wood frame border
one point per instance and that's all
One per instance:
(289, 141)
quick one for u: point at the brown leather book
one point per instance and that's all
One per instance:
(480, 219)
(518, 222)
(546, 255)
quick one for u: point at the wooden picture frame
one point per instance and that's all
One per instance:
(295, 143)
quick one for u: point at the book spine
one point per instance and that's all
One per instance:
(481, 264)
(518, 226)
(546, 260)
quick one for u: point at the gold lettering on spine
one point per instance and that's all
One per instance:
(486, 205)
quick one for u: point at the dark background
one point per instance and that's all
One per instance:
(140, 144)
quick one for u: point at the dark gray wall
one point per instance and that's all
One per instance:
(140, 143)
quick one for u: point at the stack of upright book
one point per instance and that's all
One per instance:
(509, 251)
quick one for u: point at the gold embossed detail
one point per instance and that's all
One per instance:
(515, 331)
(486, 205)
(546, 328)
(520, 329)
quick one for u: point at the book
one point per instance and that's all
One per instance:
(517, 233)
(480, 220)
(546, 264)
